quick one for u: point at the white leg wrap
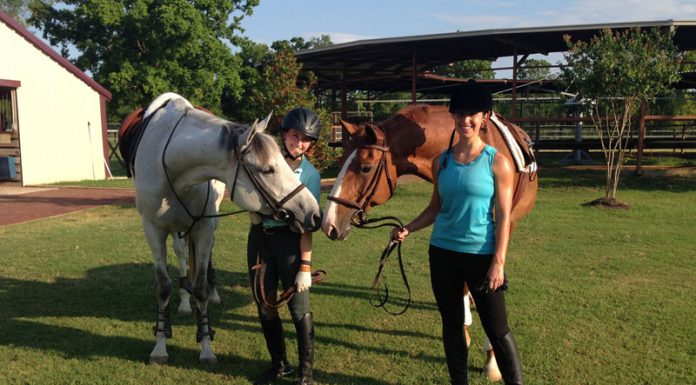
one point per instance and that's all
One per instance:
(467, 310)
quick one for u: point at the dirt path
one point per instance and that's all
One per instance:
(21, 204)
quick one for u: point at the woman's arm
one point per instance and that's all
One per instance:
(427, 216)
(504, 180)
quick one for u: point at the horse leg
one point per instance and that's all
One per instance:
(467, 315)
(179, 246)
(163, 288)
(201, 248)
(212, 281)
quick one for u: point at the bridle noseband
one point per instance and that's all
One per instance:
(359, 217)
(279, 212)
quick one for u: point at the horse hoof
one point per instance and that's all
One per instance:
(158, 360)
(183, 309)
(492, 371)
(209, 361)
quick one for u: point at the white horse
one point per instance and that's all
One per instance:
(180, 154)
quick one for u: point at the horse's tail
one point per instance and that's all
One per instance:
(128, 137)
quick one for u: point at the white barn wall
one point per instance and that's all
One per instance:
(59, 116)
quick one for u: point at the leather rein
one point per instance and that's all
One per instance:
(359, 220)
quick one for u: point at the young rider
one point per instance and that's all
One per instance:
(287, 257)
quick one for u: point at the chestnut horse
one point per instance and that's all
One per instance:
(407, 144)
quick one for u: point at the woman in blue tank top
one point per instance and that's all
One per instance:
(473, 185)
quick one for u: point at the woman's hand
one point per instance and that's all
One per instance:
(496, 275)
(399, 234)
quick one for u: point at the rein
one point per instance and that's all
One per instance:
(377, 299)
(277, 206)
(360, 220)
(194, 218)
(285, 297)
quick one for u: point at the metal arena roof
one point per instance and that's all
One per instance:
(388, 64)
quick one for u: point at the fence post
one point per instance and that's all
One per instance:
(641, 137)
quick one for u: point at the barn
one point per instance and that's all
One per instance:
(52, 115)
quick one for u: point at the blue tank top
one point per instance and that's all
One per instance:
(465, 221)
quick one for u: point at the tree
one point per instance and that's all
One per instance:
(140, 48)
(534, 69)
(18, 9)
(272, 84)
(466, 69)
(612, 75)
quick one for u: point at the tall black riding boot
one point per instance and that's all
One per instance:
(305, 348)
(273, 333)
(508, 358)
(456, 354)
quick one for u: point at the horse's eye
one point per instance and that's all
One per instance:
(268, 170)
(365, 168)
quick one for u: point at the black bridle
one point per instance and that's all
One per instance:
(360, 205)
(279, 212)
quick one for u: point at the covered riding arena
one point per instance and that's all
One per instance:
(404, 64)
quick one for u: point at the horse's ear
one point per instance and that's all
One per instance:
(351, 128)
(375, 133)
(261, 126)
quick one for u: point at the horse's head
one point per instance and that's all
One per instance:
(367, 178)
(263, 182)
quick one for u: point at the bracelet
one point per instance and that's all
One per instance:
(305, 268)
(303, 262)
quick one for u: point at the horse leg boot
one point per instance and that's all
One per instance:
(273, 334)
(305, 348)
(214, 297)
(508, 358)
(456, 354)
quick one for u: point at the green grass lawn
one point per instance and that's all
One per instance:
(596, 296)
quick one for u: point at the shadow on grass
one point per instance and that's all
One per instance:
(125, 292)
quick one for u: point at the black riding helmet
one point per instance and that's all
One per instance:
(303, 120)
(471, 97)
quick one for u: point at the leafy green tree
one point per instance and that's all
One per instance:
(18, 9)
(139, 49)
(466, 69)
(534, 69)
(272, 83)
(612, 75)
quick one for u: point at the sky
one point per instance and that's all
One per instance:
(350, 20)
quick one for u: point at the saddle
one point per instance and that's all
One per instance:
(519, 143)
(521, 148)
(129, 135)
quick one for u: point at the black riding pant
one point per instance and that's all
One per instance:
(449, 271)
(279, 249)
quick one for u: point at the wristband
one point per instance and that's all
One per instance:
(305, 268)
(303, 262)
